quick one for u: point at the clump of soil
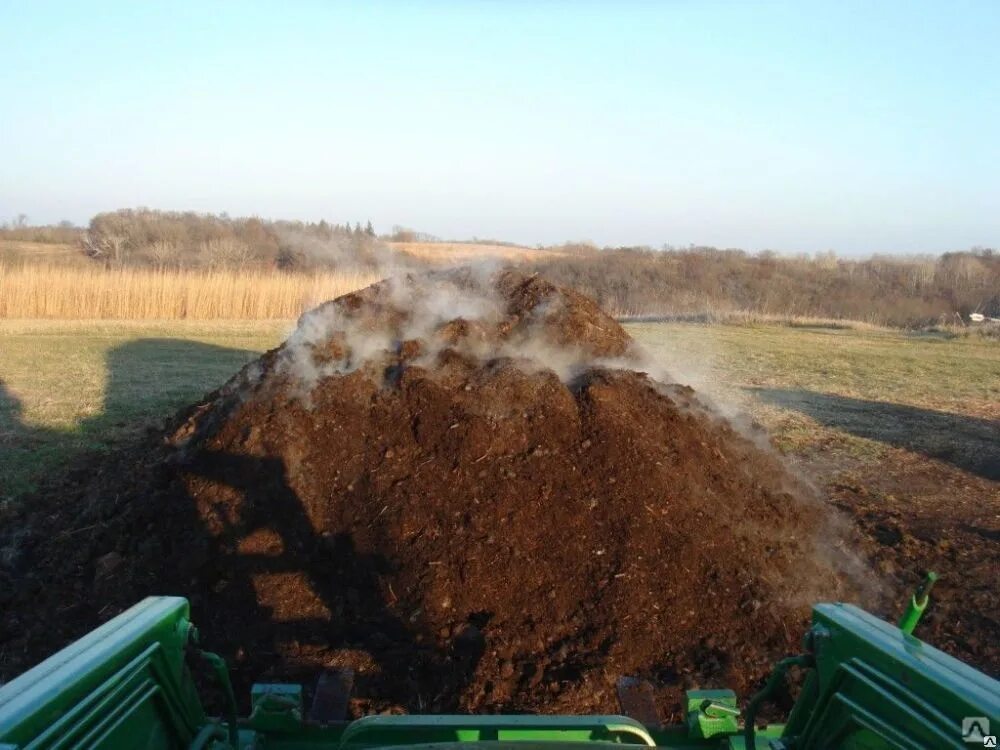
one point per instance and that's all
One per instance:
(461, 487)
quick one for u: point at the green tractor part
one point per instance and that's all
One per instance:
(917, 604)
(870, 686)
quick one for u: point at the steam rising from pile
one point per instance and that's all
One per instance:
(480, 313)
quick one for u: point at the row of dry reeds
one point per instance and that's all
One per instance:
(54, 292)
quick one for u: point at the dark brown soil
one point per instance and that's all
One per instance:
(915, 515)
(463, 526)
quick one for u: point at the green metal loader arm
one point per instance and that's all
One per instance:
(877, 687)
(125, 684)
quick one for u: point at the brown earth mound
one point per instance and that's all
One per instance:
(455, 486)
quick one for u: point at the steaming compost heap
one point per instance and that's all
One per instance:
(459, 486)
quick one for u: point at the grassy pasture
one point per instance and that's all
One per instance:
(846, 393)
(955, 374)
(72, 386)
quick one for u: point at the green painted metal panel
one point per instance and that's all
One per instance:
(375, 731)
(124, 684)
(876, 687)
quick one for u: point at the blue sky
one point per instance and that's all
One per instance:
(797, 126)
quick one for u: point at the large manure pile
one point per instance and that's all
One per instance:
(461, 486)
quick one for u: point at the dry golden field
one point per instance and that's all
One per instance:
(465, 252)
(17, 252)
(48, 281)
(65, 292)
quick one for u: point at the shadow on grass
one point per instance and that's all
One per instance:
(146, 381)
(11, 423)
(969, 443)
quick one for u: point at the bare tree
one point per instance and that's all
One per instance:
(227, 253)
(113, 249)
(164, 253)
(116, 246)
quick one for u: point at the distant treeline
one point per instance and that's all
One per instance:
(184, 240)
(63, 233)
(905, 291)
(886, 290)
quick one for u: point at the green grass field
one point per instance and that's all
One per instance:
(856, 391)
(73, 386)
(70, 387)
